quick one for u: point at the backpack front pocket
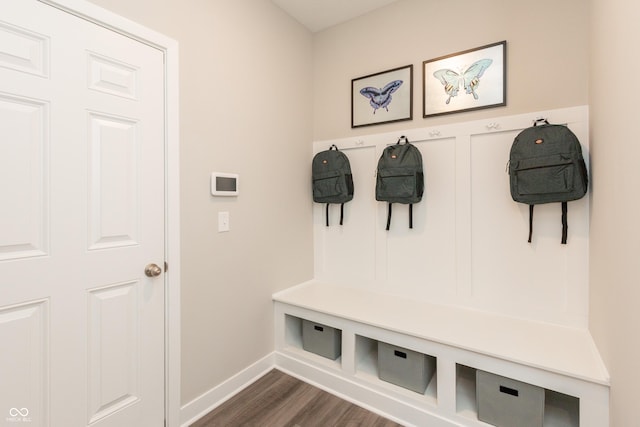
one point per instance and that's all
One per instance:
(396, 184)
(333, 187)
(545, 175)
(327, 186)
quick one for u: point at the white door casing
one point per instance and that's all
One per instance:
(82, 169)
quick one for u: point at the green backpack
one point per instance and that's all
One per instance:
(332, 180)
(546, 166)
(399, 177)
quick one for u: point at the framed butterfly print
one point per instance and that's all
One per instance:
(465, 81)
(383, 97)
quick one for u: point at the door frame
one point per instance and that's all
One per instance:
(93, 13)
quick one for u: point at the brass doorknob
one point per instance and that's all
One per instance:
(152, 270)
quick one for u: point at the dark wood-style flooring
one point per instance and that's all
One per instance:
(279, 400)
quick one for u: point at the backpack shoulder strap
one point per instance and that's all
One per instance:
(565, 227)
(389, 216)
(530, 222)
(326, 214)
(410, 215)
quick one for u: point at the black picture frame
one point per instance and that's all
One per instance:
(379, 98)
(469, 80)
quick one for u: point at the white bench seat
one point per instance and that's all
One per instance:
(555, 348)
(555, 357)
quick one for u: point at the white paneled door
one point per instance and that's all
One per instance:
(81, 216)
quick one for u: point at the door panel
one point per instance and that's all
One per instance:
(114, 198)
(82, 193)
(23, 164)
(24, 362)
(108, 75)
(114, 352)
(23, 50)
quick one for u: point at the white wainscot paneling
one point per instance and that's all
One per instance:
(508, 273)
(421, 260)
(469, 243)
(347, 253)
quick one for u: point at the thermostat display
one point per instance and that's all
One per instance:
(224, 184)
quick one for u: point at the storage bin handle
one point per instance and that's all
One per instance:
(318, 328)
(510, 391)
(401, 354)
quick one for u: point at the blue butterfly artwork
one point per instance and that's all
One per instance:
(380, 98)
(470, 78)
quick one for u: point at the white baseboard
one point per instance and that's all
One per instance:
(394, 409)
(213, 398)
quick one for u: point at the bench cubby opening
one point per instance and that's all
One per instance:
(294, 343)
(560, 410)
(367, 369)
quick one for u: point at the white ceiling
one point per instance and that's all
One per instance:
(317, 15)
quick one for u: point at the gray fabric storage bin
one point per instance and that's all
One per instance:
(321, 339)
(505, 402)
(405, 368)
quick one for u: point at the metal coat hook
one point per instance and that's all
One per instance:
(540, 119)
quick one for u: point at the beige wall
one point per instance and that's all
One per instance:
(615, 235)
(245, 90)
(547, 55)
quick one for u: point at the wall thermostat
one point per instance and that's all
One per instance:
(224, 184)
